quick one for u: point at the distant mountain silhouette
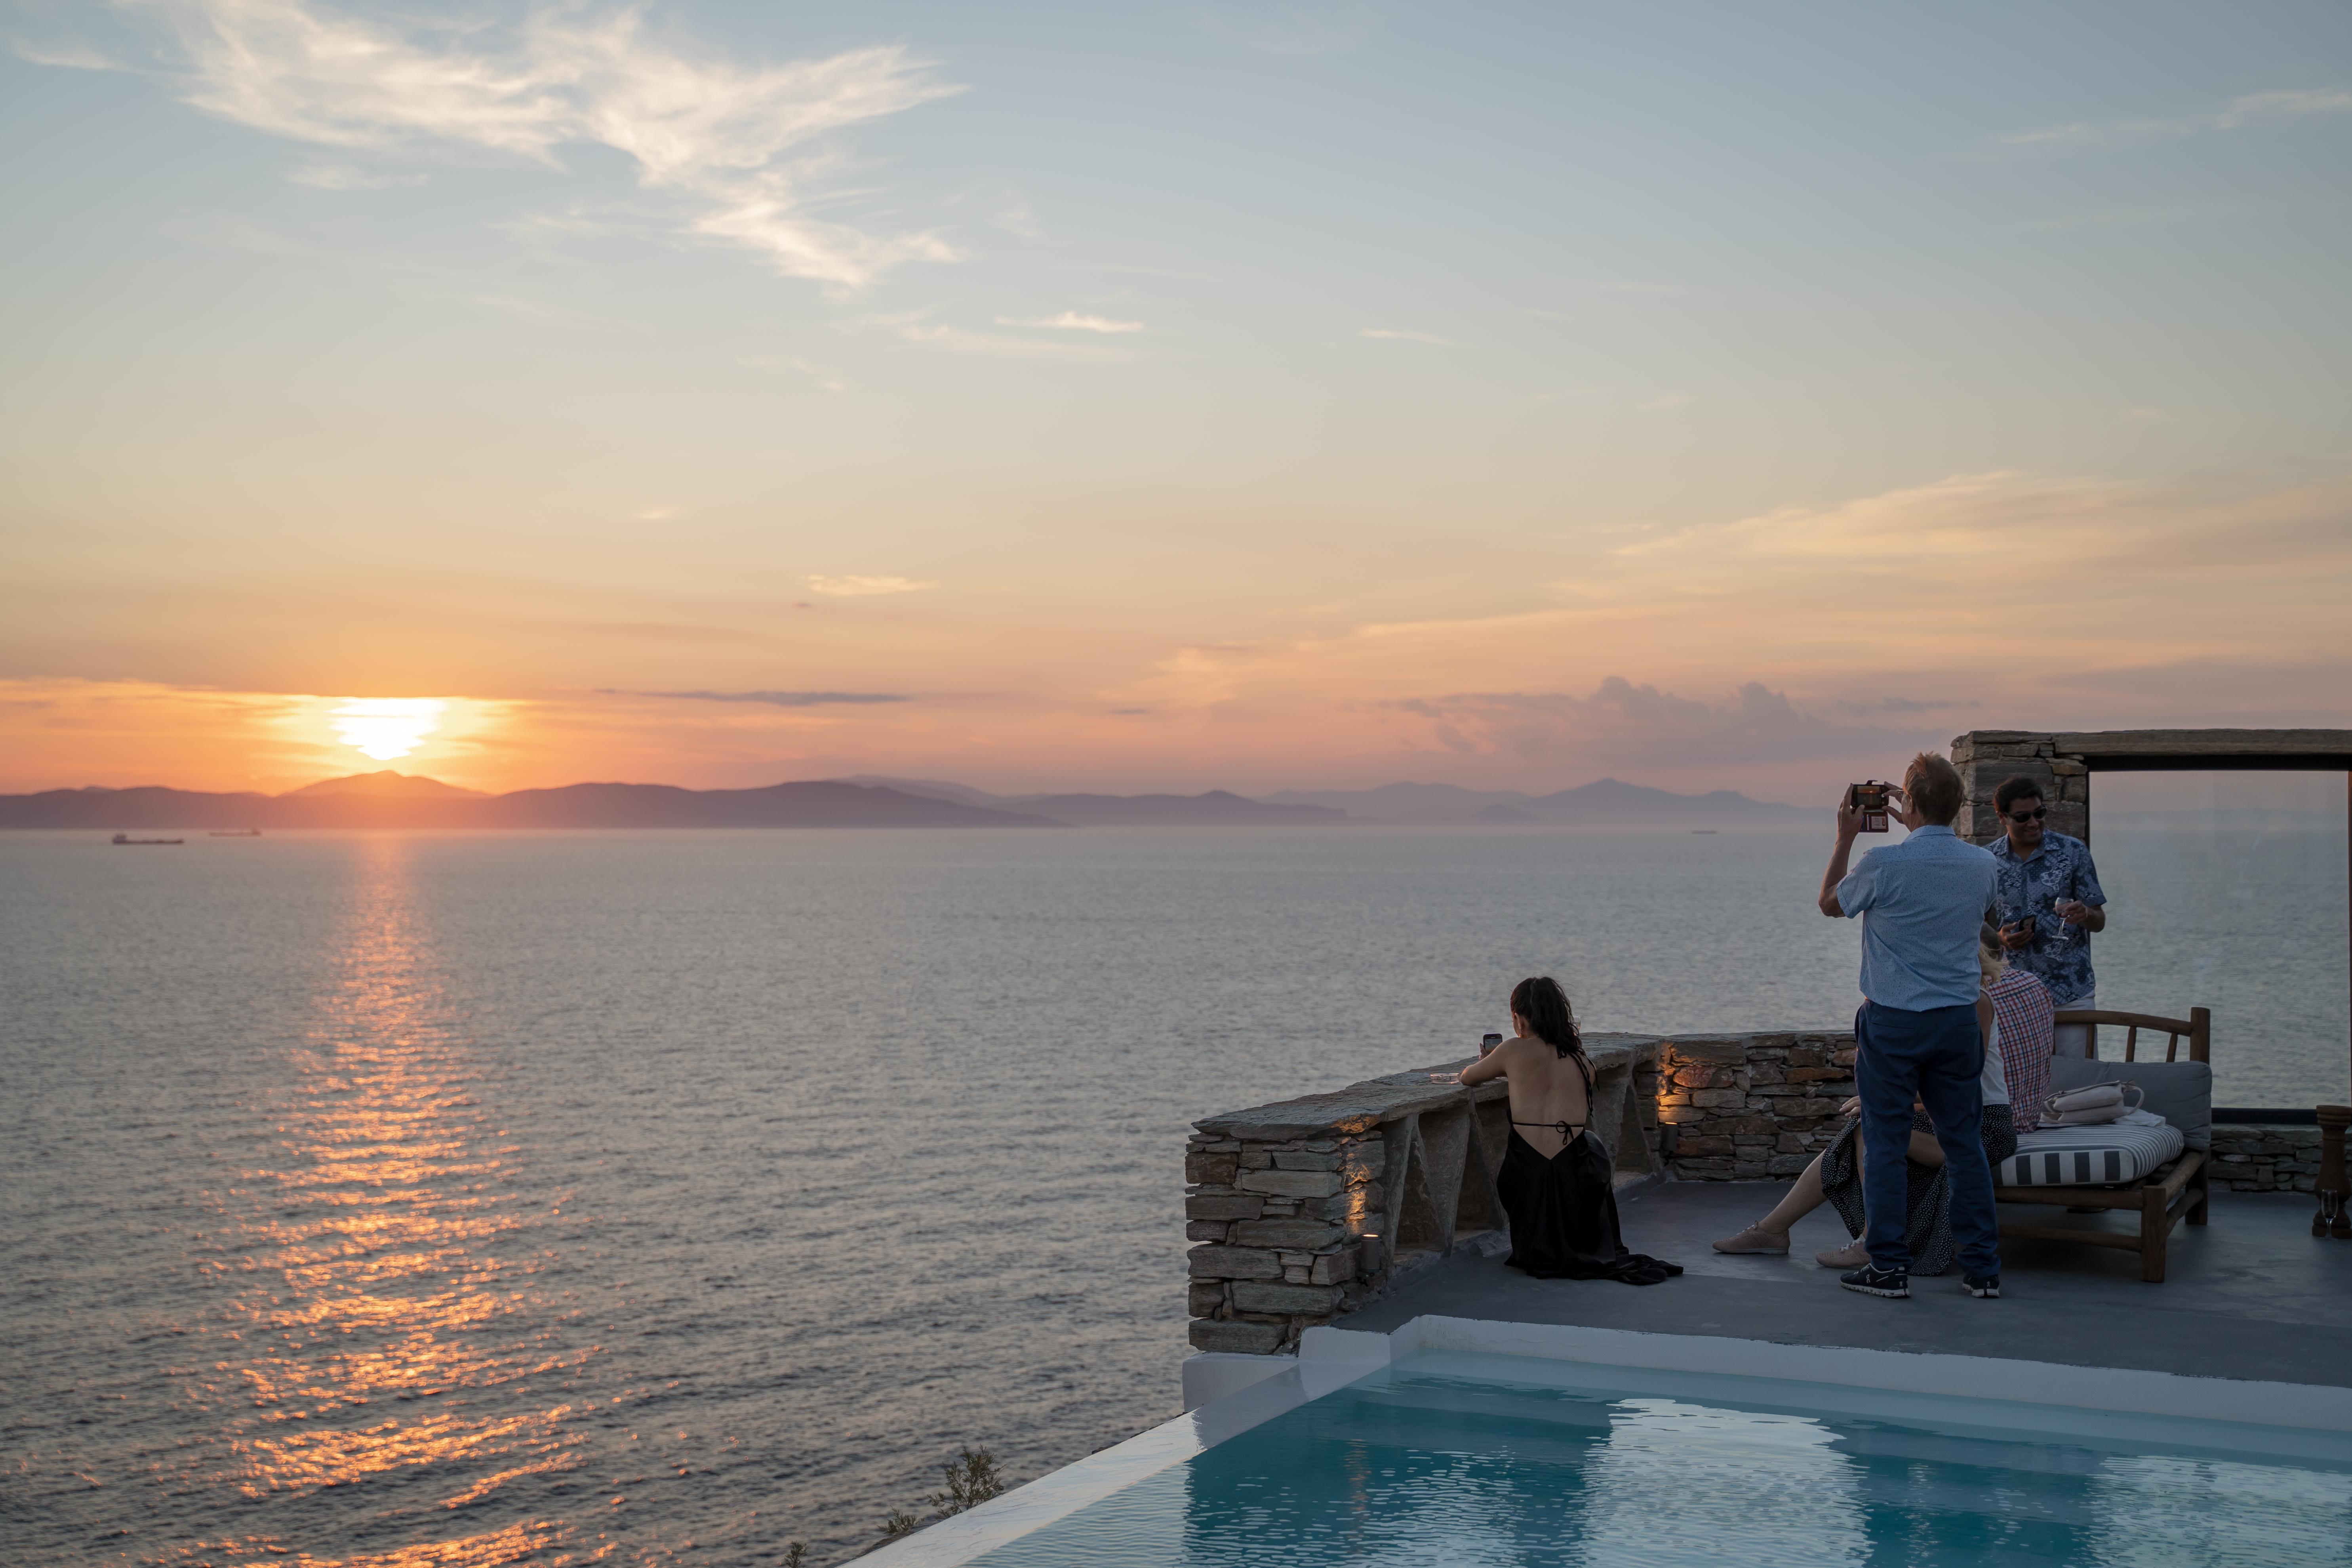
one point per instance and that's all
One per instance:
(1217, 808)
(385, 782)
(1429, 803)
(424, 803)
(1604, 803)
(934, 789)
(390, 799)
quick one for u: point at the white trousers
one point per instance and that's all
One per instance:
(2073, 1040)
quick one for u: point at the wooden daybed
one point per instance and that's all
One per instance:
(2163, 1198)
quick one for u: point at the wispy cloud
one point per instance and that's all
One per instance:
(737, 152)
(1906, 705)
(70, 56)
(1403, 334)
(2237, 112)
(961, 340)
(1070, 320)
(346, 178)
(1634, 725)
(773, 699)
(858, 587)
(825, 379)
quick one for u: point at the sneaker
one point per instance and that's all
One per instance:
(1757, 1239)
(1983, 1286)
(1852, 1255)
(1890, 1282)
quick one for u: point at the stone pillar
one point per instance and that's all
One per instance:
(1987, 757)
(1282, 1226)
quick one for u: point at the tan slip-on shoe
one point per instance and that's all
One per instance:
(1852, 1255)
(1758, 1240)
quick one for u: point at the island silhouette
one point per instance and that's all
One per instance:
(392, 799)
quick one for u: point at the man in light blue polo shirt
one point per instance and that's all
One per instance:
(1922, 903)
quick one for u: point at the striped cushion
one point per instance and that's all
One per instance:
(2088, 1156)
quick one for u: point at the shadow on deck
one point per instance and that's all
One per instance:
(2253, 1295)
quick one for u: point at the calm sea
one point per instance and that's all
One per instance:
(407, 1199)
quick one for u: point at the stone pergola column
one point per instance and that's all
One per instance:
(1986, 757)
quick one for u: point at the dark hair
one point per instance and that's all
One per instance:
(1543, 1006)
(2012, 790)
(1934, 787)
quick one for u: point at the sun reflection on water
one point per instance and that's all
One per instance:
(391, 1330)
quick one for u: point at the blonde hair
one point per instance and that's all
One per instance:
(1933, 787)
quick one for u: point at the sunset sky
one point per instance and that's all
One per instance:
(1246, 397)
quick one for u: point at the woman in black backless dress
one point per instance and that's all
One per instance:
(1562, 1207)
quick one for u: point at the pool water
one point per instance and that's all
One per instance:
(1420, 1466)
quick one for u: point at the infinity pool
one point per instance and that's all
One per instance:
(1411, 1465)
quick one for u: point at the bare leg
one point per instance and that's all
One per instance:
(1805, 1195)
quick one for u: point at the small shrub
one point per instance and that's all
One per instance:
(971, 1480)
(796, 1555)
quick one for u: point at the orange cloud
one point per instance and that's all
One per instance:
(1772, 647)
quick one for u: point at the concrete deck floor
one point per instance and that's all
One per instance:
(2252, 1295)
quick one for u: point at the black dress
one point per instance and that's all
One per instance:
(1563, 1214)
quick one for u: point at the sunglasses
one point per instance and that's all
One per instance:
(2038, 814)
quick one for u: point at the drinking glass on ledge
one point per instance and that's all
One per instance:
(1445, 1078)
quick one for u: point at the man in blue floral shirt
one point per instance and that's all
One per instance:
(2047, 901)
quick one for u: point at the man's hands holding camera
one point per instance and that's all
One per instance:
(1851, 811)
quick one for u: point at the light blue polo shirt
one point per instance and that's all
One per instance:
(1922, 903)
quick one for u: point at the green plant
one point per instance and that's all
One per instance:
(971, 1480)
(796, 1555)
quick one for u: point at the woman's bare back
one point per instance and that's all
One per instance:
(1547, 1089)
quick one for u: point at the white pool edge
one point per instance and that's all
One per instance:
(2118, 1391)
(1283, 1385)
(1242, 1392)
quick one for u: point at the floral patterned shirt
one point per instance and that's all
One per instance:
(2060, 867)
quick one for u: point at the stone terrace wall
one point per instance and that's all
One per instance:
(1746, 1108)
(2265, 1159)
(1308, 1208)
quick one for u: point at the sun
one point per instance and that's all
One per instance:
(387, 727)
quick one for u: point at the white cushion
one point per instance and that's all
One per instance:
(2180, 1092)
(2104, 1155)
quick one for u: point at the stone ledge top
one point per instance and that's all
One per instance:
(1361, 1107)
(2126, 750)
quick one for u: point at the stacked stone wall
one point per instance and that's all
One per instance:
(1279, 1233)
(1748, 1108)
(1986, 757)
(1300, 1224)
(2248, 1159)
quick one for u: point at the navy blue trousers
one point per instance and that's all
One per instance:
(1936, 1055)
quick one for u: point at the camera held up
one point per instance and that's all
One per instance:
(1869, 798)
